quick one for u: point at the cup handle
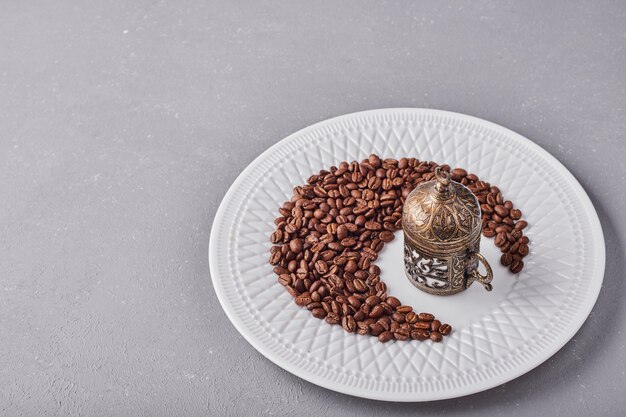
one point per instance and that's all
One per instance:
(476, 276)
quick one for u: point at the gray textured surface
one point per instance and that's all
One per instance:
(123, 124)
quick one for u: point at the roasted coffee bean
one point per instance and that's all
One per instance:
(399, 317)
(426, 317)
(418, 334)
(277, 236)
(275, 258)
(486, 208)
(359, 285)
(332, 318)
(303, 299)
(424, 325)
(436, 337)
(351, 266)
(348, 324)
(458, 173)
(411, 317)
(372, 225)
(321, 267)
(284, 279)
(377, 311)
(520, 225)
(375, 329)
(295, 245)
(393, 302)
(385, 336)
(506, 259)
(523, 249)
(501, 211)
(503, 229)
(319, 313)
(401, 334)
(386, 236)
(445, 329)
(500, 239)
(372, 300)
(330, 232)
(404, 309)
(516, 266)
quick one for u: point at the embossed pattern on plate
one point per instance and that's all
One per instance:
(498, 336)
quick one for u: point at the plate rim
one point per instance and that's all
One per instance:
(582, 196)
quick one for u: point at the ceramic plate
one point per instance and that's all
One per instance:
(498, 335)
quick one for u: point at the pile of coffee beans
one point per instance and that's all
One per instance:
(329, 234)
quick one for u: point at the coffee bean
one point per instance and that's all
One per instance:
(385, 336)
(348, 324)
(516, 214)
(404, 309)
(319, 313)
(424, 325)
(458, 173)
(436, 336)
(420, 334)
(295, 245)
(332, 318)
(520, 225)
(321, 267)
(399, 317)
(359, 285)
(523, 249)
(372, 300)
(376, 312)
(486, 208)
(487, 232)
(275, 258)
(393, 302)
(445, 329)
(372, 225)
(506, 259)
(516, 266)
(514, 246)
(501, 211)
(351, 266)
(503, 229)
(401, 334)
(434, 325)
(277, 236)
(500, 239)
(375, 329)
(411, 317)
(426, 317)
(386, 236)
(303, 299)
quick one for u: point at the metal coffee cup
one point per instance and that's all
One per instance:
(441, 220)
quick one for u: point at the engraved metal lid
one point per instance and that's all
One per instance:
(441, 216)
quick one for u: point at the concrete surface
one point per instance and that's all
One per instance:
(122, 124)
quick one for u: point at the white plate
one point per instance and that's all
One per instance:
(498, 336)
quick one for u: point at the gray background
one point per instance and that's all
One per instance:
(122, 125)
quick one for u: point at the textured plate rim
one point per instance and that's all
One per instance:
(599, 255)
